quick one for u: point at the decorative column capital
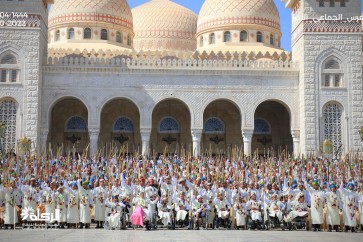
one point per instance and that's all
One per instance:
(295, 135)
(247, 135)
(197, 134)
(93, 132)
(145, 134)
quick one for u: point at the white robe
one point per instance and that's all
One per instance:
(317, 199)
(254, 207)
(275, 209)
(240, 214)
(12, 199)
(73, 210)
(100, 195)
(360, 208)
(60, 201)
(85, 200)
(181, 213)
(30, 198)
(164, 214)
(48, 200)
(349, 200)
(332, 209)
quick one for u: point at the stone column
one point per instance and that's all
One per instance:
(145, 139)
(247, 142)
(93, 138)
(43, 139)
(196, 137)
(296, 140)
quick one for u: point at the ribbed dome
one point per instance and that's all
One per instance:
(164, 25)
(220, 14)
(101, 11)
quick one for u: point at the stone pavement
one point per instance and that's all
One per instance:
(139, 235)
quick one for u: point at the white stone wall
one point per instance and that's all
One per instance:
(30, 45)
(246, 89)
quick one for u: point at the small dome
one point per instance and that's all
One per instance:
(164, 25)
(101, 11)
(220, 14)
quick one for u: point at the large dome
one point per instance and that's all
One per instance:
(164, 25)
(219, 14)
(90, 24)
(102, 11)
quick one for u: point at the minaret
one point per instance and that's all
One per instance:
(327, 43)
(23, 50)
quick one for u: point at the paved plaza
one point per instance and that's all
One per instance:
(173, 236)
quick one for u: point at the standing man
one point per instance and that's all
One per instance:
(100, 195)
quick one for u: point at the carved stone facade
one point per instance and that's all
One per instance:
(143, 87)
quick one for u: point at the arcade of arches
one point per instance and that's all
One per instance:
(171, 130)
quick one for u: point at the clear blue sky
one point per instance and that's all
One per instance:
(285, 16)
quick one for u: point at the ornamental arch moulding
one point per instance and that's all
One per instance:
(189, 105)
(234, 101)
(134, 98)
(56, 99)
(288, 105)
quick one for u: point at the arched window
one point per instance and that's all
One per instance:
(9, 69)
(169, 125)
(243, 36)
(118, 37)
(128, 40)
(259, 37)
(214, 126)
(332, 74)
(272, 39)
(104, 35)
(71, 33)
(262, 126)
(8, 121)
(123, 124)
(201, 41)
(9, 59)
(57, 35)
(76, 124)
(212, 39)
(227, 36)
(87, 34)
(332, 116)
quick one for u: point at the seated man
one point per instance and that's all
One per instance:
(114, 207)
(298, 208)
(222, 208)
(141, 212)
(182, 208)
(199, 210)
(254, 207)
(274, 208)
(164, 213)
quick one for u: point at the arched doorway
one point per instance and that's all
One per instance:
(68, 129)
(272, 132)
(170, 128)
(120, 127)
(8, 123)
(222, 127)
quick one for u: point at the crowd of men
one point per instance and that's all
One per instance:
(80, 192)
